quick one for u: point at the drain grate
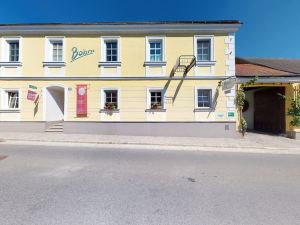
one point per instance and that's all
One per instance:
(3, 157)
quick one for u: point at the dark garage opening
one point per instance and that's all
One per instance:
(264, 110)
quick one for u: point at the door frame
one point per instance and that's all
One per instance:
(65, 99)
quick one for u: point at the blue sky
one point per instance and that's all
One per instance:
(271, 27)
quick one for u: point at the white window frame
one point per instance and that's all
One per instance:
(49, 49)
(163, 52)
(211, 61)
(4, 98)
(5, 50)
(149, 90)
(102, 97)
(213, 91)
(105, 39)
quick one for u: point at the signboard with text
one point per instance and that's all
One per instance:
(31, 95)
(81, 107)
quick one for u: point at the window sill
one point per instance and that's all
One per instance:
(155, 63)
(109, 111)
(205, 63)
(54, 64)
(10, 110)
(204, 109)
(10, 64)
(155, 110)
(109, 64)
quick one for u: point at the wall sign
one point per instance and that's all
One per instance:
(230, 114)
(31, 95)
(79, 54)
(81, 108)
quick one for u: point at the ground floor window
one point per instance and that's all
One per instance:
(204, 97)
(10, 99)
(110, 98)
(155, 99)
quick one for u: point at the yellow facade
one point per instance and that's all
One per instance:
(132, 75)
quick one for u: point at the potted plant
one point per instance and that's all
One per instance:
(156, 106)
(110, 106)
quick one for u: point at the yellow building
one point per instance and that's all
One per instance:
(139, 78)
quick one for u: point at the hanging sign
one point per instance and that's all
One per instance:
(228, 84)
(32, 86)
(81, 107)
(31, 95)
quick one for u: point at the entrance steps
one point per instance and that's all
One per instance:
(55, 126)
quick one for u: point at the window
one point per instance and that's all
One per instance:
(204, 98)
(57, 51)
(156, 98)
(14, 51)
(54, 51)
(203, 50)
(11, 50)
(10, 99)
(111, 51)
(111, 99)
(155, 51)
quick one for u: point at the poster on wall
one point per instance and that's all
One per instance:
(31, 95)
(81, 108)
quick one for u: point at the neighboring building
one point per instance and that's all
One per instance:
(148, 78)
(265, 110)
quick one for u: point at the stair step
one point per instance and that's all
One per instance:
(54, 131)
(55, 127)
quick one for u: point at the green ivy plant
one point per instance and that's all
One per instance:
(240, 101)
(294, 110)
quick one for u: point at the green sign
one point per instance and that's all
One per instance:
(79, 54)
(32, 86)
(230, 114)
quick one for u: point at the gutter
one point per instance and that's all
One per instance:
(271, 79)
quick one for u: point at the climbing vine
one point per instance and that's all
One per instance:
(294, 110)
(240, 101)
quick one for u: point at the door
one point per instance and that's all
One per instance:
(269, 110)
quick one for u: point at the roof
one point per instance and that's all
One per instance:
(267, 67)
(133, 23)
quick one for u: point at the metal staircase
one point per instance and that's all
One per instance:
(183, 65)
(55, 126)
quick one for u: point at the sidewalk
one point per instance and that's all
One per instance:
(252, 142)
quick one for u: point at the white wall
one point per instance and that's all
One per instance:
(54, 104)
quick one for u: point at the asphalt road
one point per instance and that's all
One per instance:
(90, 186)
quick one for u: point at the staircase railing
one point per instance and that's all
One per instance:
(183, 64)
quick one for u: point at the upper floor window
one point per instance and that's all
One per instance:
(11, 49)
(204, 48)
(54, 50)
(14, 51)
(155, 49)
(57, 51)
(110, 49)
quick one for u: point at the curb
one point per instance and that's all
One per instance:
(141, 144)
(241, 149)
